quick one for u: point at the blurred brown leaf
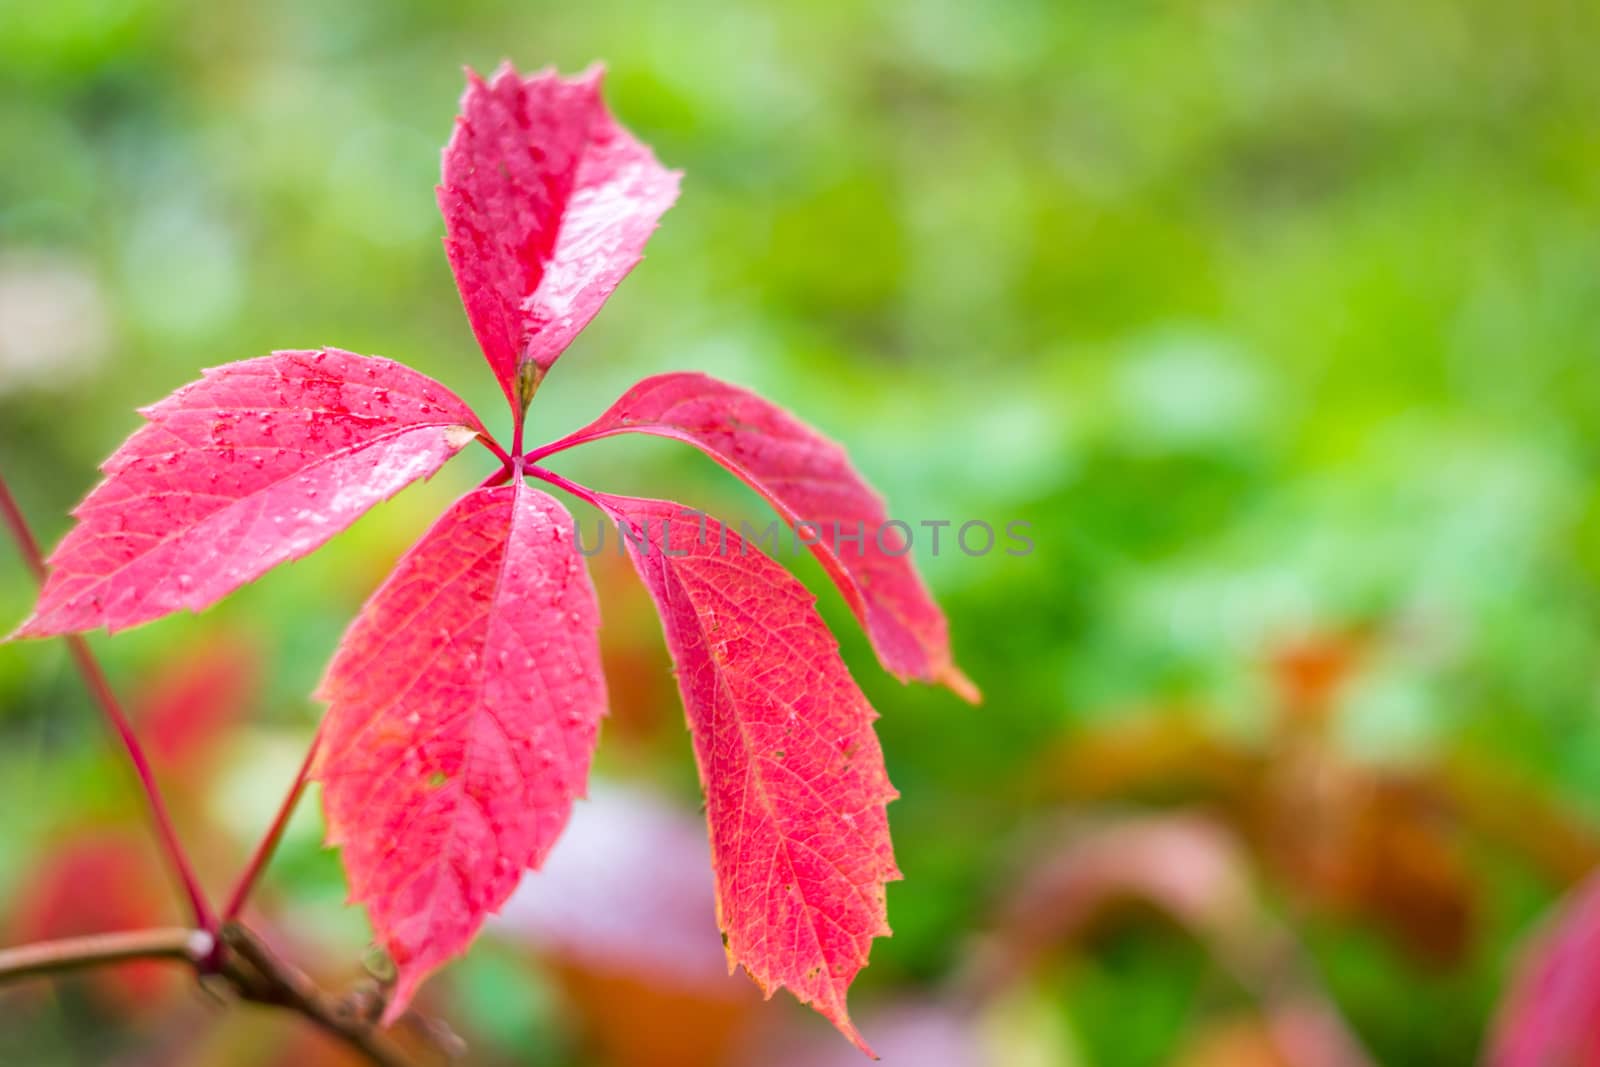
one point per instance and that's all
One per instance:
(1245, 1042)
(1375, 845)
(1185, 866)
(1193, 871)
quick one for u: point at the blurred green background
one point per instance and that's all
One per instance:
(1278, 322)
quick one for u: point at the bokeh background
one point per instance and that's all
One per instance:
(1278, 322)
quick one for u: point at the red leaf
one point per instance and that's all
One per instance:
(464, 704)
(794, 779)
(547, 205)
(809, 480)
(1551, 1014)
(257, 463)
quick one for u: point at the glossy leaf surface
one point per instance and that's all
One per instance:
(793, 775)
(812, 484)
(464, 705)
(255, 464)
(548, 203)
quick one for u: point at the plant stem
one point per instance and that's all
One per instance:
(250, 969)
(581, 492)
(572, 440)
(77, 953)
(516, 434)
(100, 689)
(266, 979)
(95, 678)
(494, 446)
(22, 533)
(499, 477)
(269, 843)
(529, 375)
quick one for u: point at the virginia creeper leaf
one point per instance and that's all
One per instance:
(257, 463)
(810, 481)
(465, 699)
(464, 705)
(547, 205)
(794, 779)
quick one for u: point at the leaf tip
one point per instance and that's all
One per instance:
(956, 680)
(34, 627)
(400, 1000)
(848, 1029)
